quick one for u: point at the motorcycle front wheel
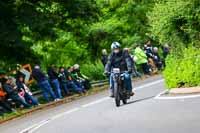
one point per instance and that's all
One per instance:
(116, 94)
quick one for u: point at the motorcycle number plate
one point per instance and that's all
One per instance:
(116, 70)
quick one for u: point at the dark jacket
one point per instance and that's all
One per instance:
(121, 60)
(149, 51)
(165, 52)
(9, 90)
(38, 75)
(104, 59)
(62, 77)
(52, 74)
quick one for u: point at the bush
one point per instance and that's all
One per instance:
(176, 21)
(93, 70)
(182, 68)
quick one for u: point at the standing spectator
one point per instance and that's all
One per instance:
(142, 59)
(43, 83)
(166, 51)
(53, 76)
(27, 94)
(12, 93)
(3, 102)
(157, 59)
(149, 52)
(104, 57)
(79, 77)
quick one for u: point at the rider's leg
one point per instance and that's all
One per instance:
(128, 82)
(111, 85)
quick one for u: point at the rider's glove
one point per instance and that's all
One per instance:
(129, 71)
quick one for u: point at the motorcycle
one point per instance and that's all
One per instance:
(120, 90)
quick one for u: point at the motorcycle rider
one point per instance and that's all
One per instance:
(122, 60)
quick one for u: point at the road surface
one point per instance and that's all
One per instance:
(98, 114)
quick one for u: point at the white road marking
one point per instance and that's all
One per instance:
(148, 84)
(95, 102)
(65, 113)
(34, 127)
(38, 126)
(159, 96)
(161, 93)
(176, 97)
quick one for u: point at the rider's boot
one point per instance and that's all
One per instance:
(130, 93)
(111, 94)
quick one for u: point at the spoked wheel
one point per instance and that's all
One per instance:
(116, 94)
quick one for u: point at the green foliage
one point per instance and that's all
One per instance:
(176, 21)
(93, 70)
(183, 68)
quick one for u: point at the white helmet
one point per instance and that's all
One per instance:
(115, 45)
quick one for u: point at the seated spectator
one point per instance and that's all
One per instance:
(25, 92)
(63, 80)
(142, 59)
(80, 78)
(6, 107)
(12, 93)
(104, 57)
(157, 58)
(43, 83)
(69, 74)
(53, 76)
(67, 81)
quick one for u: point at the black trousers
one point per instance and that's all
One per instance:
(6, 105)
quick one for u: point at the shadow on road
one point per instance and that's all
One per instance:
(139, 100)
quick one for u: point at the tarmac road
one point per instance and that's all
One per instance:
(98, 114)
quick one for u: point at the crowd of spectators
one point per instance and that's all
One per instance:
(54, 85)
(147, 58)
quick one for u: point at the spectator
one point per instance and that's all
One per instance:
(166, 51)
(53, 76)
(67, 79)
(80, 78)
(72, 81)
(4, 103)
(133, 61)
(142, 59)
(63, 80)
(26, 93)
(149, 52)
(43, 83)
(104, 57)
(157, 58)
(12, 92)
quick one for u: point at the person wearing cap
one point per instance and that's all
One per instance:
(12, 92)
(122, 60)
(43, 83)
